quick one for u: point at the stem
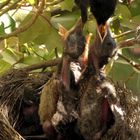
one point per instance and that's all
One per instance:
(129, 42)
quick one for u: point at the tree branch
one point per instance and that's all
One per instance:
(42, 137)
(129, 42)
(4, 4)
(128, 32)
(125, 33)
(42, 15)
(9, 7)
(44, 64)
(26, 26)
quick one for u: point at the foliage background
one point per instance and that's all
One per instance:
(29, 35)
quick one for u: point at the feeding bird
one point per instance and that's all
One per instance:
(102, 9)
(83, 5)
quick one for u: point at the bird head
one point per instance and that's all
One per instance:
(73, 40)
(73, 47)
(104, 45)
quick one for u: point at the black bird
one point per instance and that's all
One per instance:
(83, 5)
(102, 9)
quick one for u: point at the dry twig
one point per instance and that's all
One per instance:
(128, 32)
(129, 42)
(49, 63)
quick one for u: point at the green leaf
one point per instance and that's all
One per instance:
(128, 23)
(40, 50)
(136, 19)
(29, 60)
(135, 8)
(32, 2)
(67, 20)
(67, 5)
(123, 11)
(10, 56)
(9, 23)
(40, 27)
(51, 39)
(2, 28)
(124, 74)
(4, 66)
(19, 15)
(127, 53)
(1, 1)
(90, 26)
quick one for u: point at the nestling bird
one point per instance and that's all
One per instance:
(60, 83)
(103, 48)
(66, 115)
(96, 115)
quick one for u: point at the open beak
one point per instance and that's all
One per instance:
(68, 50)
(101, 36)
(100, 48)
(78, 27)
(102, 31)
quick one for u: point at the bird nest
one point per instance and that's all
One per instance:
(128, 127)
(15, 87)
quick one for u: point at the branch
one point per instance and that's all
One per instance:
(59, 11)
(45, 18)
(56, 53)
(129, 42)
(128, 32)
(45, 64)
(42, 137)
(125, 33)
(132, 63)
(42, 15)
(4, 4)
(9, 7)
(29, 24)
